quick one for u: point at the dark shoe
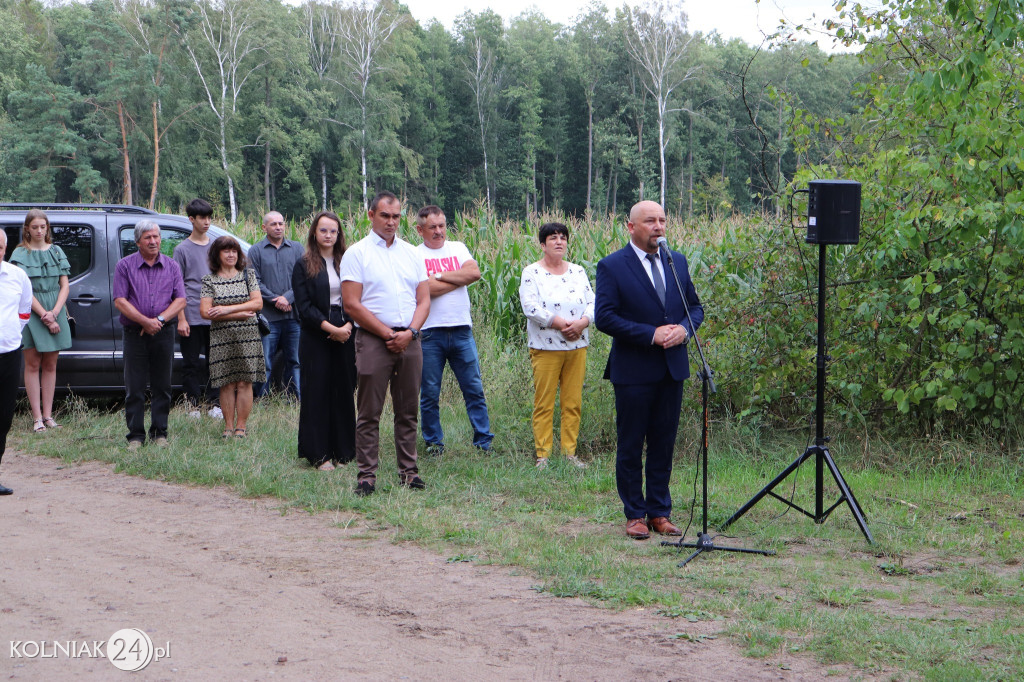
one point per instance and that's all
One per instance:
(364, 489)
(661, 524)
(637, 529)
(239, 433)
(435, 449)
(415, 483)
(5, 491)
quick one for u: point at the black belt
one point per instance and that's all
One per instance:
(399, 329)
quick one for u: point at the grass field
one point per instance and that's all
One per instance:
(939, 596)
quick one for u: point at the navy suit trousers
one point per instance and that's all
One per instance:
(646, 413)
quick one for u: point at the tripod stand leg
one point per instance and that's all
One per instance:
(847, 493)
(690, 558)
(771, 486)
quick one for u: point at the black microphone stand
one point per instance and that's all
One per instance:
(704, 542)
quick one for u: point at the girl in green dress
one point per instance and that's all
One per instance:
(48, 331)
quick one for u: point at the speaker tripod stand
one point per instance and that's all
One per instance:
(819, 451)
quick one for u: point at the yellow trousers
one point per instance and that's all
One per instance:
(551, 369)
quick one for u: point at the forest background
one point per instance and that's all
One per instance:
(256, 104)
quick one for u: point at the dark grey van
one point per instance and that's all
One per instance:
(95, 237)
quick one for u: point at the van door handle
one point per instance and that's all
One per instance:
(87, 299)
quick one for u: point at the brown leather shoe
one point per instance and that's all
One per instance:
(661, 524)
(637, 529)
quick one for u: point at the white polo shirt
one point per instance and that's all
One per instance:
(15, 305)
(389, 277)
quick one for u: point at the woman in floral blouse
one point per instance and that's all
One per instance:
(559, 304)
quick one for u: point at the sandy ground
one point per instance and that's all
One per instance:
(241, 591)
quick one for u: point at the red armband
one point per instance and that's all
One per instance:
(24, 316)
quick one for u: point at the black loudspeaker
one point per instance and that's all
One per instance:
(833, 212)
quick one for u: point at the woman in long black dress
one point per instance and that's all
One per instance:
(327, 358)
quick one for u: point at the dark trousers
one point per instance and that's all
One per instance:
(327, 414)
(10, 368)
(195, 365)
(378, 369)
(646, 413)
(147, 360)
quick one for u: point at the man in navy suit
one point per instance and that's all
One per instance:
(639, 306)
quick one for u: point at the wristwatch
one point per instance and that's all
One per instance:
(160, 319)
(415, 333)
(437, 276)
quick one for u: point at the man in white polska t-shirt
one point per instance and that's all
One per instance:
(447, 335)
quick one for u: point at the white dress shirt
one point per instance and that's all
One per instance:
(389, 276)
(15, 305)
(642, 255)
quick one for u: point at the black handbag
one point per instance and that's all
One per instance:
(263, 323)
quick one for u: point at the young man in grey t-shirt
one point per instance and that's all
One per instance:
(193, 331)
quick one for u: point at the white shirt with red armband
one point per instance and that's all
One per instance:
(15, 305)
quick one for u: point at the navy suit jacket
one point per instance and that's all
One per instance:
(627, 309)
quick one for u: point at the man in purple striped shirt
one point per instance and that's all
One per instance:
(149, 292)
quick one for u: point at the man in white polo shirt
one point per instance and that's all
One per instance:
(448, 332)
(15, 309)
(384, 290)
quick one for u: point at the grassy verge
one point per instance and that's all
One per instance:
(939, 596)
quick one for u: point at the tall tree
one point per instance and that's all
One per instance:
(224, 47)
(484, 75)
(657, 40)
(590, 58)
(364, 32)
(41, 146)
(320, 20)
(149, 29)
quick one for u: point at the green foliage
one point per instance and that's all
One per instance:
(934, 326)
(567, 124)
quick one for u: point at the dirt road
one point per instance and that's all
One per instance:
(241, 591)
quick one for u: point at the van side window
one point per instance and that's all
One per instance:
(169, 238)
(75, 240)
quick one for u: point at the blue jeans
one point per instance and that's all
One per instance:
(454, 345)
(283, 333)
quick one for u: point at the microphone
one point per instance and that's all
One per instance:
(663, 244)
